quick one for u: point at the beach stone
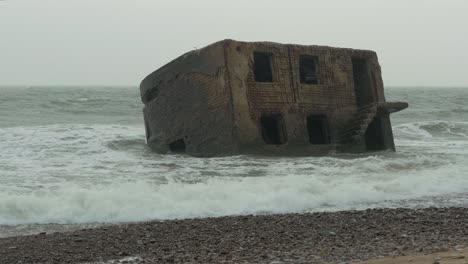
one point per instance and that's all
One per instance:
(287, 238)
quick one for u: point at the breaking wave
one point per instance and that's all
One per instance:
(78, 155)
(440, 129)
(73, 173)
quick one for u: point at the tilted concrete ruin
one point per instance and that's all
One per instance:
(236, 97)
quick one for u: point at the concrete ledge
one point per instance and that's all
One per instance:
(391, 107)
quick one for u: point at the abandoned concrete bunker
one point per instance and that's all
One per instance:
(236, 97)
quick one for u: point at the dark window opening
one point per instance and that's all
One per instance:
(374, 84)
(273, 129)
(362, 83)
(308, 69)
(151, 94)
(375, 135)
(177, 146)
(317, 126)
(262, 67)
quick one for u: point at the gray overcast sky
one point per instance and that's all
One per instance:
(118, 42)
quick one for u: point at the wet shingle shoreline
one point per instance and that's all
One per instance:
(286, 238)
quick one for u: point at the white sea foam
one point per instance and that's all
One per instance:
(144, 201)
(78, 156)
(104, 173)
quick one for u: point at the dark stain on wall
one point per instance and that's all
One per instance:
(236, 97)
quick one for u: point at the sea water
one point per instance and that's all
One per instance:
(73, 157)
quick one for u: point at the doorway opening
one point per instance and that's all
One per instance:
(362, 82)
(262, 67)
(317, 126)
(375, 135)
(177, 146)
(273, 129)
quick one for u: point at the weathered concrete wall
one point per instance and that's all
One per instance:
(188, 99)
(334, 95)
(209, 98)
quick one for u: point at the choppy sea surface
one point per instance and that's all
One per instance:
(73, 157)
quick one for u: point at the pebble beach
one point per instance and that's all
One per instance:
(326, 237)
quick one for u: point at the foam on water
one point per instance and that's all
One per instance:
(85, 172)
(100, 173)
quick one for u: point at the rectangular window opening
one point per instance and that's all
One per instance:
(362, 82)
(177, 146)
(262, 67)
(317, 126)
(308, 69)
(273, 129)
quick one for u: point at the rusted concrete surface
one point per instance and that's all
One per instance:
(236, 97)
